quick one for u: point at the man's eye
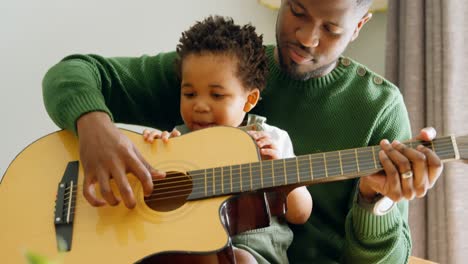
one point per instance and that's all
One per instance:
(294, 10)
(333, 29)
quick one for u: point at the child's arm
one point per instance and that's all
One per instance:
(299, 205)
(277, 146)
(150, 135)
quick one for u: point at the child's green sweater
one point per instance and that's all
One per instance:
(348, 108)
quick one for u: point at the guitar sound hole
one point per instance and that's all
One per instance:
(170, 193)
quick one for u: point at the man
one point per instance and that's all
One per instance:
(324, 101)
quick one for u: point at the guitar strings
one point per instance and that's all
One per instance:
(253, 181)
(254, 169)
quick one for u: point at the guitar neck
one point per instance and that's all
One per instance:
(302, 170)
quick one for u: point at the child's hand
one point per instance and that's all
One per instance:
(268, 148)
(150, 135)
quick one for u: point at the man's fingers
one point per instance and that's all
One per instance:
(427, 134)
(125, 189)
(388, 157)
(144, 167)
(434, 165)
(105, 188)
(89, 192)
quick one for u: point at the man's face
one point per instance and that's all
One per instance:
(312, 34)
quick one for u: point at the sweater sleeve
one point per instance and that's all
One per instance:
(142, 90)
(381, 239)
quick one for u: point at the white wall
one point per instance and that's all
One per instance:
(369, 47)
(36, 34)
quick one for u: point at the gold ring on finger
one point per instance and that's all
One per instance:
(407, 175)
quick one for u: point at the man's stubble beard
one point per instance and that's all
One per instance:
(292, 70)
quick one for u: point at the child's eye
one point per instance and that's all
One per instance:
(218, 96)
(189, 95)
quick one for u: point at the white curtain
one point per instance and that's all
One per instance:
(427, 57)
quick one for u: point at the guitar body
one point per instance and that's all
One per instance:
(117, 234)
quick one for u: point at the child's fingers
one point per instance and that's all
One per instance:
(269, 153)
(154, 135)
(165, 136)
(175, 133)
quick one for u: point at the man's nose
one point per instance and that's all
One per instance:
(308, 36)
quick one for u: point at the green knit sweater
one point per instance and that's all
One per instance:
(348, 108)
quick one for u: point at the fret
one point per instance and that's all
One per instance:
(357, 160)
(273, 173)
(348, 161)
(230, 176)
(297, 170)
(268, 180)
(261, 172)
(206, 189)
(432, 145)
(291, 170)
(222, 180)
(209, 182)
(226, 181)
(325, 164)
(318, 166)
(365, 158)
(285, 174)
(214, 181)
(304, 168)
(236, 179)
(446, 148)
(341, 163)
(278, 172)
(256, 175)
(245, 183)
(311, 170)
(333, 163)
(373, 156)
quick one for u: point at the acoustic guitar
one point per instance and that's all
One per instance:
(194, 210)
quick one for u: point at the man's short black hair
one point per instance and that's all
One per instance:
(219, 35)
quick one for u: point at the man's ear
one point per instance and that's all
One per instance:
(252, 99)
(360, 24)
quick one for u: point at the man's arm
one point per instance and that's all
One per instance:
(84, 93)
(381, 239)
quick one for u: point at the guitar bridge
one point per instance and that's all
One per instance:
(65, 207)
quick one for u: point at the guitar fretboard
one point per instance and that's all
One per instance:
(301, 170)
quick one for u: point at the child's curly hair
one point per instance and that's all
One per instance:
(219, 35)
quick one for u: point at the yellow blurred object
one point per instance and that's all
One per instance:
(377, 5)
(415, 260)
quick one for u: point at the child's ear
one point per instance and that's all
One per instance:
(252, 99)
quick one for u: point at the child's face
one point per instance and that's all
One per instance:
(211, 93)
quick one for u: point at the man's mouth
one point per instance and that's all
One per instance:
(299, 56)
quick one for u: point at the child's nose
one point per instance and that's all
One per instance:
(201, 106)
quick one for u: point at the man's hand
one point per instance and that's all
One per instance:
(106, 153)
(408, 173)
(268, 148)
